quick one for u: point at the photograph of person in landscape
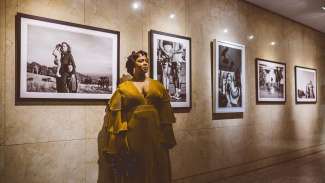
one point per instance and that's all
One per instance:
(62, 61)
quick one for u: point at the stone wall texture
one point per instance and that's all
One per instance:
(44, 143)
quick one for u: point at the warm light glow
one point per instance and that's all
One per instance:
(323, 7)
(225, 30)
(172, 16)
(135, 5)
(251, 37)
(272, 43)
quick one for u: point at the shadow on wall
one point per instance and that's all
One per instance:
(104, 172)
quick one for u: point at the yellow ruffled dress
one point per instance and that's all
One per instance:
(147, 123)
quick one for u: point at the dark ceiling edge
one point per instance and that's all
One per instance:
(282, 16)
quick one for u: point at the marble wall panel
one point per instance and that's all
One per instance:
(2, 163)
(40, 123)
(203, 145)
(11, 10)
(92, 161)
(2, 71)
(66, 10)
(94, 122)
(46, 162)
(102, 14)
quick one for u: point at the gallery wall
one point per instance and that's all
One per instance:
(2, 84)
(46, 143)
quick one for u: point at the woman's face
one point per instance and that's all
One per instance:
(142, 64)
(65, 47)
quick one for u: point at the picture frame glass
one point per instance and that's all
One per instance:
(270, 81)
(228, 77)
(306, 85)
(171, 65)
(66, 61)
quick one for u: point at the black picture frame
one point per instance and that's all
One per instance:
(298, 78)
(271, 100)
(22, 96)
(177, 40)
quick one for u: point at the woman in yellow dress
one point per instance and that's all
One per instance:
(139, 126)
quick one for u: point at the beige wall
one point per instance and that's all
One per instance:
(2, 69)
(2, 66)
(2, 51)
(59, 143)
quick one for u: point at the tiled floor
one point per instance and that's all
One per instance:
(308, 169)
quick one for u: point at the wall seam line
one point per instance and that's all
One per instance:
(85, 131)
(54, 141)
(4, 76)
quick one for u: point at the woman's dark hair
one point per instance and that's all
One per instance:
(58, 46)
(130, 63)
(69, 48)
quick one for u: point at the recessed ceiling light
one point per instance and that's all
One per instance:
(323, 7)
(251, 37)
(172, 16)
(272, 43)
(225, 30)
(135, 5)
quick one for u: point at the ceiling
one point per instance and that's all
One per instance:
(307, 12)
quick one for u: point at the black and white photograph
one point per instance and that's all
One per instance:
(306, 85)
(270, 81)
(61, 60)
(171, 65)
(228, 77)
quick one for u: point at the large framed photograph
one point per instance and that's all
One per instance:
(306, 85)
(270, 81)
(228, 77)
(171, 65)
(61, 61)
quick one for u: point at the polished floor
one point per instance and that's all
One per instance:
(308, 169)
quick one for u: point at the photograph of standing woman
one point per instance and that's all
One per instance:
(69, 64)
(66, 81)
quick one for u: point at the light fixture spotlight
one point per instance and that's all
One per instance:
(272, 43)
(225, 30)
(135, 5)
(171, 16)
(251, 37)
(323, 7)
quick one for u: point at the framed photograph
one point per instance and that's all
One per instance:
(270, 81)
(171, 64)
(306, 85)
(61, 61)
(228, 77)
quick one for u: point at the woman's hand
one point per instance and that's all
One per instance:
(70, 68)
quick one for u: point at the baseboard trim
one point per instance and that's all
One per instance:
(216, 175)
